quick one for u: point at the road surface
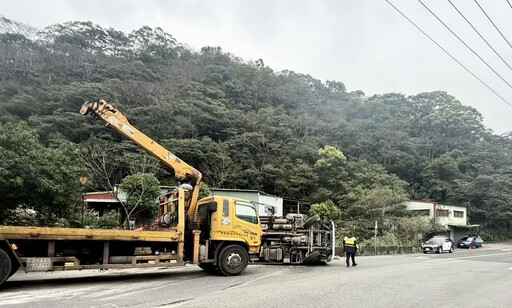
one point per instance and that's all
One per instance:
(480, 279)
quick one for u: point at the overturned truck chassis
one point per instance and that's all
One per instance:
(296, 240)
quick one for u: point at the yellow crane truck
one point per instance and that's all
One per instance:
(220, 234)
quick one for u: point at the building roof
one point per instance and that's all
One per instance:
(103, 196)
(432, 202)
(463, 226)
(114, 197)
(242, 190)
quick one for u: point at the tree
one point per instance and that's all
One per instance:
(142, 190)
(110, 220)
(35, 177)
(408, 229)
(326, 210)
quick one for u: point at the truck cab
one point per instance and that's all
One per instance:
(230, 232)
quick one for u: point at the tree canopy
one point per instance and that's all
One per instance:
(241, 123)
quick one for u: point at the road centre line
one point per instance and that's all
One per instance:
(467, 257)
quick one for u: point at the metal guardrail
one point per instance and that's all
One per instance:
(381, 250)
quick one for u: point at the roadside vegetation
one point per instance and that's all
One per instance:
(241, 123)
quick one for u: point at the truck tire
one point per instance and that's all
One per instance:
(314, 258)
(233, 260)
(5, 266)
(209, 268)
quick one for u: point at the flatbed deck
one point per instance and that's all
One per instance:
(41, 233)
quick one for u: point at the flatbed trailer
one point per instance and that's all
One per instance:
(44, 249)
(57, 249)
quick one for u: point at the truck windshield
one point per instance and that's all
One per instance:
(247, 212)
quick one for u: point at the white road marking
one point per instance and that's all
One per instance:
(423, 258)
(506, 249)
(43, 294)
(134, 292)
(247, 282)
(176, 304)
(472, 256)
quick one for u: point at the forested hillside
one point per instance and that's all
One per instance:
(241, 123)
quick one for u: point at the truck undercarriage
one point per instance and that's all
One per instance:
(293, 239)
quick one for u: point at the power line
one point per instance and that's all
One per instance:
(449, 54)
(480, 34)
(494, 24)
(509, 4)
(462, 41)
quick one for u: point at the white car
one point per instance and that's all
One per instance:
(438, 244)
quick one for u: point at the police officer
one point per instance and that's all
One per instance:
(350, 248)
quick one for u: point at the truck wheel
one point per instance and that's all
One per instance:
(451, 249)
(209, 268)
(313, 258)
(439, 250)
(5, 266)
(233, 260)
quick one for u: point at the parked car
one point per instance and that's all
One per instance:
(470, 242)
(438, 244)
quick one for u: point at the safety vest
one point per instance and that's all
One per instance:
(350, 241)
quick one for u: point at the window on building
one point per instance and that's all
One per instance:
(459, 214)
(443, 213)
(421, 212)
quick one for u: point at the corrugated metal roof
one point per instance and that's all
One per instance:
(242, 191)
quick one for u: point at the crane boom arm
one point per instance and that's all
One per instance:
(115, 119)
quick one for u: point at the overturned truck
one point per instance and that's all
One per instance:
(295, 239)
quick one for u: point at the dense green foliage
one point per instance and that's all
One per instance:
(246, 126)
(110, 220)
(142, 190)
(44, 179)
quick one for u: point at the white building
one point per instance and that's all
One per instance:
(453, 217)
(259, 199)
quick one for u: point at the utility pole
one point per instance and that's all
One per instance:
(83, 182)
(376, 237)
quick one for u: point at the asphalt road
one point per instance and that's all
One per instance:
(480, 279)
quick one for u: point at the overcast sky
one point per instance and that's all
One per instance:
(365, 44)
